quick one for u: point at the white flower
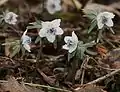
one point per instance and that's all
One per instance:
(10, 18)
(26, 40)
(53, 6)
(51, 29)
(105, 19)
(71, 42)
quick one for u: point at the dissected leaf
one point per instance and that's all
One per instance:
(92, 26)
(81, 49)
(34, 25)
(14, 48)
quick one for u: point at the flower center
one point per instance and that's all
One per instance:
(51, 31)
(10, 18)
(52, 6)
(69, 42)
(104, 19)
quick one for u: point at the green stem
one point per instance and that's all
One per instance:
(39, 55)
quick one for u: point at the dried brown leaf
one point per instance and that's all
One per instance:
(13, 86)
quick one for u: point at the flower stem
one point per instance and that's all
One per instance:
(39, 55)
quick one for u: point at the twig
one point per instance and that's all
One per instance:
(49, 87)
(83, 69)
(104, 77)
(38, 85)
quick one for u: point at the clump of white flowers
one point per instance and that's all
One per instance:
(53, 6)
(10, 18)
(105, 19)
(26, 41)
(51, 29)
(71, 42)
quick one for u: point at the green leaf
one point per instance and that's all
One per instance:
(34, 25)
(93, 25)
(14, 48)
(82, 48)
(37, 39)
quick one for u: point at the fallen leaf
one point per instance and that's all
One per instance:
(13, 86)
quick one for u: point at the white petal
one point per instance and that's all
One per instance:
(50, 38)
(65, 47)
(26, 39)
(59, 31)
(42, 32)
(109, 23)
(45, 24)
(57, 1)
(58, 8)
(25, 32)
(74, 37)
(100, 24)
(108, 14)
(51, 10)
(72, 48)
(49, 7)
(12, 13)
(67, 38)
(27, 47)
(56, 22)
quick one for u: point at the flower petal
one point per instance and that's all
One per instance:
(67, 38)
(59, 31)
(45, 24)
(27, 47)
(26, 39)
(74, 37)
(65, 47)
(50, 38)
(108, 14)
(58, 7)
(109, 23)
(42, 32)
(56, 22)
(100, 24)
(72, 48)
